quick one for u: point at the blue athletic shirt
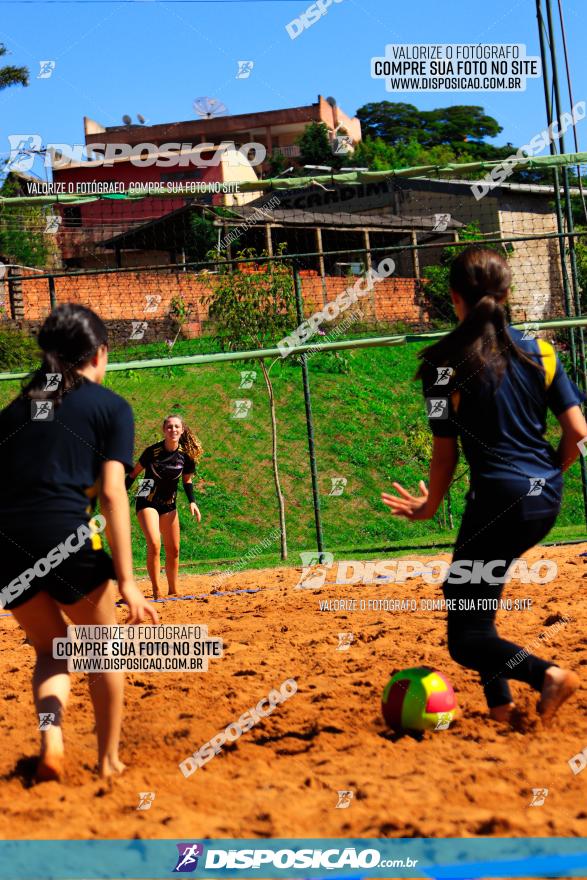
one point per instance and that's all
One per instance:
(502, 427)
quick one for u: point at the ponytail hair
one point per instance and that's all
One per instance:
(69, 338)
(481, 276)
(188, 441)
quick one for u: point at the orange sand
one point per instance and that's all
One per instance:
(281, 778)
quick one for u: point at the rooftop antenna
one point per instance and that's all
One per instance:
(141, 119)
(208, 108)
(126, 119)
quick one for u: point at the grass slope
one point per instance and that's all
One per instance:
(370, 429)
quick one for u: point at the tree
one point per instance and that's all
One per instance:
(255, 310)
(457, 124)
(461, 127)
(397, 135)
(277, 164)
(436, 286)
(179, 312)
(315, 146)
(581, 256)
(10, 75)
(377, 155)
(22, 236)
(390, 121)
(200, 236)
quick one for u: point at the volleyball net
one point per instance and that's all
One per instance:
(201, 299)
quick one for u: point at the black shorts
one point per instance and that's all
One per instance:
(67, 583)
(143, 503)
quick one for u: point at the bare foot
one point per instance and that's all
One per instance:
(559, 685)
(173, 593)
(111, 767)
(502, 713)
(50, 767)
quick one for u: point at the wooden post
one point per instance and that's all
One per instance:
(367, 240)
(4, 305)
(268, 239)
(415, 255)
(321, 266)
(228, 247)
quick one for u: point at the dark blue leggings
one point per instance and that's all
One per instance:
(473, 640)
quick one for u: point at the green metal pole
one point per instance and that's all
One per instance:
(255, 354)
(309, 421)
(578, 368)
(567, 194)
(557, 197)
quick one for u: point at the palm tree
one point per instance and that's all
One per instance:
(12, 76)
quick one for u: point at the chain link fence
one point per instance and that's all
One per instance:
(349, 419)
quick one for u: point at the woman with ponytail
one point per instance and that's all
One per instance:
(164, 462)
(66, 443)
(488, 385)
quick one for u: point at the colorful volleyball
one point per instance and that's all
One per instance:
(418, 699)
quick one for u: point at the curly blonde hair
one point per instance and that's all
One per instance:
(188, 441)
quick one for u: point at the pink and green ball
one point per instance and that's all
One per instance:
(416, 699)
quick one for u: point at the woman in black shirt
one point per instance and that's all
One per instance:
(164, 463)
(68, 441)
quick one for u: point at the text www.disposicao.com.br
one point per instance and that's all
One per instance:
(135, 664)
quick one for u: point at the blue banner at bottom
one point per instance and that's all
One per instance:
(312, 859)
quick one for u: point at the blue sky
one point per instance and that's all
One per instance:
(154, 58)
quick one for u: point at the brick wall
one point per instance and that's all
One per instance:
(537, 292)
(122, 298)
(537, 288)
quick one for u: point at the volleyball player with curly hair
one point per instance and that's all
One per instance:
(164, 463)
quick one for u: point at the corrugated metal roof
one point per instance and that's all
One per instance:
(294, 217)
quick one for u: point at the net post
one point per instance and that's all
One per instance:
(309, 418)
(579, 375)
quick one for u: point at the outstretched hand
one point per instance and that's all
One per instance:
(138, 606)
(409, 506)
